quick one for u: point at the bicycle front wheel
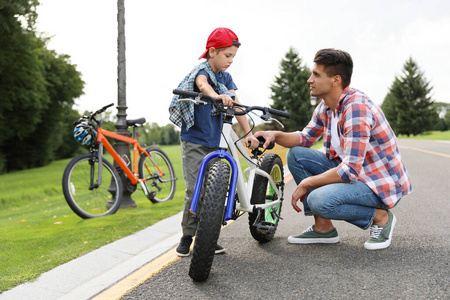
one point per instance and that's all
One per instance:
(88, 195)
(157, 172)
(210, 223)
(263, 223)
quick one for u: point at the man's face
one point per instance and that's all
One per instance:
(319, 82)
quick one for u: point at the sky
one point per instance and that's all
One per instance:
(165, 38)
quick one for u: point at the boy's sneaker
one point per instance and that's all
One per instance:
(184, 246)
(381, 236)
(219, 249)
(312, 236)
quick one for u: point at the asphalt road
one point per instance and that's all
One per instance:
(415, 266)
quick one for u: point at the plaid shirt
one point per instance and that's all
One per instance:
(184, 111)
(370, 151)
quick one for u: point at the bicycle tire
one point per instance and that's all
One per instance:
(263, 192)
(95, 202)
(161, 188)
(210, 223)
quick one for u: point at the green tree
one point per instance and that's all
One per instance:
(290, 91)
(408, 105)
(442, 121)
(37, 91)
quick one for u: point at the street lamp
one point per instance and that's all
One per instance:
(122, 148)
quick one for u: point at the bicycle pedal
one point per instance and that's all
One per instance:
(151, 195)
(266, 228)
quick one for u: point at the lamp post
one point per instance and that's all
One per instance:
(122, 148)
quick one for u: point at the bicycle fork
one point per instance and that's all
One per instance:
(100, 168)
(221, 153)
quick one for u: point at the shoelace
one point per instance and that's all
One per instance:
(308, 229)
(375, 231)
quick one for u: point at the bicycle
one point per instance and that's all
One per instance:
(92, 186)
(260, 196)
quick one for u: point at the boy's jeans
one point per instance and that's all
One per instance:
(351, 202)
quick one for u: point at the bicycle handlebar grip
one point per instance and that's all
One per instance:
(279, 113)
(185, 93)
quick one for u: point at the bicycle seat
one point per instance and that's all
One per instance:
(134, 122)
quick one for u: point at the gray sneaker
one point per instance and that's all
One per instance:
(312, 236)
(381, 236)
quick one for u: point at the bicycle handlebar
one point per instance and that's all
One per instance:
(217, 103)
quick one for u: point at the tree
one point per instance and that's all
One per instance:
(442, 122)
(408, 105)
(153, 134)
(290, 92)
(37, 91)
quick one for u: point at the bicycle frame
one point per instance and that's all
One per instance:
(132, 175)
(237, 182)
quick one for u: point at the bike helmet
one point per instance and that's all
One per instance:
(84, 134)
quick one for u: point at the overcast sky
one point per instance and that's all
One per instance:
(165, 38)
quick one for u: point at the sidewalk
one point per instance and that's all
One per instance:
(88, 275)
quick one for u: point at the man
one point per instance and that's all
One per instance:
(361, 176)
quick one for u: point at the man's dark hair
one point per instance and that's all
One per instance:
(336, 62)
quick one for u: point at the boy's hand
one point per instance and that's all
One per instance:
(226, 100)
(251, 142)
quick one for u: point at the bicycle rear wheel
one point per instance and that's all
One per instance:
(263, 224)
(158, 173)
(211, 218)
(82, 192)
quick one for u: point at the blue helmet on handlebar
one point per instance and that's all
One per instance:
(84, 134)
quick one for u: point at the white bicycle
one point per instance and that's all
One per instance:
(259, 187)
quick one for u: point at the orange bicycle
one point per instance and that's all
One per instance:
(92, 185)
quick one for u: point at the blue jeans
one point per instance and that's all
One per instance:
(351, 202)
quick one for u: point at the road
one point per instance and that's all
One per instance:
(415, 266)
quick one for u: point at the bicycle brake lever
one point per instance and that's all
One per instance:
(276, 121)
(195, 101)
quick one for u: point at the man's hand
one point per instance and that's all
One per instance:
(269, 136)
(298, 194)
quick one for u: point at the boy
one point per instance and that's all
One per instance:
(201, 124)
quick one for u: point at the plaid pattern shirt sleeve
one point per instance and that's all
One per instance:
(184, 111)
(370, 151)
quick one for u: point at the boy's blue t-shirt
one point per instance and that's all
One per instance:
(206, 129)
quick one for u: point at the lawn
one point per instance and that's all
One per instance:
(38, 230)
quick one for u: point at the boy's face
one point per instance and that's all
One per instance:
(222, 58)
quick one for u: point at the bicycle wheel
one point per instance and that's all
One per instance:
(157, 170)
(263, 224)
(210, 223)
(85, 198)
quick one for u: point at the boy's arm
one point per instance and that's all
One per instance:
(205, 88)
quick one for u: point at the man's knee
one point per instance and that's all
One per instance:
(317, 202)
(295, 155)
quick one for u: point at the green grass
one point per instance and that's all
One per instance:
(429, 135)
(38, 230)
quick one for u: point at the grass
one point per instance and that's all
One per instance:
(38, 231)
(429, 135)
